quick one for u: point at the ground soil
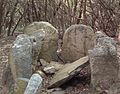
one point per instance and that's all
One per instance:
(5, 45)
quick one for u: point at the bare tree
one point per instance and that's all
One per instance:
(99, 14)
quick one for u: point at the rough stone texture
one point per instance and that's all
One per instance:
(49, 46)
(21, 85)
(77, 40)
(57, 65)
(115, 88)
(36, 39)
(44, 63)
(54, 91)
(58, 92)
(20, 58)
(67, 72)
(49, 69)
(104, 64)
(34, 84)
(118, 33)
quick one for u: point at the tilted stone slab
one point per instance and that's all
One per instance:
(68, 71)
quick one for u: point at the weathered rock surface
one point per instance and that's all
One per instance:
(56, 91)
(49, 69)
(44, 63)
(21, 57)
(77, 40)
(34, 84)
(115, 88)
(20, 60)
(39, 25)
(49, 46)
(36, 39)
(21, 85)
(68, 71)
(57, 65)
(104, 64)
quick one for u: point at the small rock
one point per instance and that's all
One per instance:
(49, 69)
(43, 63)
(49, 46)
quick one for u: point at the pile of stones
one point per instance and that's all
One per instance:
(35, 52)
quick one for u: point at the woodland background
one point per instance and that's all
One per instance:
(99, 14)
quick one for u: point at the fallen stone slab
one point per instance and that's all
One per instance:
(57, 65)
(68, 71)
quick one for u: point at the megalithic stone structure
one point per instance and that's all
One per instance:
(104, 64)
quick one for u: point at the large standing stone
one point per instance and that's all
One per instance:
(49, 46)
(21, 56)
(104, 64)
(20, 60)
(77, 40)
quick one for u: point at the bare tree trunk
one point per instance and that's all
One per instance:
(46, 10)
(84, 12)
(80, 13)
(1, 14)
(11, 18)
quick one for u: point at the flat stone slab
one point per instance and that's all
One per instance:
(68, 71)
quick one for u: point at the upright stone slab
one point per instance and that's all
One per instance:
(20, 60)
(37, 41)
(34, 84)
(104, 64)
(77, 40)
(49, 46)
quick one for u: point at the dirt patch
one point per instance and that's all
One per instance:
(5, 44)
